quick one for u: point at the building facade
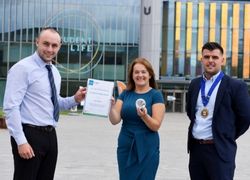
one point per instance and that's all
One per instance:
(187, 25)
(101, 38)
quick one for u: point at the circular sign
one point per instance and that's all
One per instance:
(81, 35)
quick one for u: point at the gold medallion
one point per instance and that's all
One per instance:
(204, 112)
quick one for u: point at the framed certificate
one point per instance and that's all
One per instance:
(98, 97)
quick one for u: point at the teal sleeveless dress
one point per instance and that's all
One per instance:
(138, 146)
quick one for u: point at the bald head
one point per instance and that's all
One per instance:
(53, 30)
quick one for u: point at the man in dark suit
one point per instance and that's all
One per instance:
(218, 107)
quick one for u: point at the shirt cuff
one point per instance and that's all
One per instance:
(72, 99)
(21, 139)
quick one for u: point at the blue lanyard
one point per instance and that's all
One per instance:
(205, 99)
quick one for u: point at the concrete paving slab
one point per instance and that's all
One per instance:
(87, 150)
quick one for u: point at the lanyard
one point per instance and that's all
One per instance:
(205, 99)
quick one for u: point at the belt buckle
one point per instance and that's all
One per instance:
(48, 128)
(203, 141)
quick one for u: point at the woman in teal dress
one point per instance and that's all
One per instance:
(138, 141)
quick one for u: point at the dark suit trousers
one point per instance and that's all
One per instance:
(205, 164)
(42, 166)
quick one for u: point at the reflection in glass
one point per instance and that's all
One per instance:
(235, 39)
(87, 30)
(212, 21)
(177, 37)
(246, 51)
(224, 18)
(188, 37)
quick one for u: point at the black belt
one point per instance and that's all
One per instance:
(40, 128)
(203, 141)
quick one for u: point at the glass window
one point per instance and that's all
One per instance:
(14, 54)
(3, 60)
(2, 90)
(181, 64)
(201, 28)
(170, 64)
(219, 22)
(212, 21)
(26, 50)
(85, 28)
(193, 64)
(1, 19)
(206, 21)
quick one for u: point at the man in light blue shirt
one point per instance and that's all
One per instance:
(29, 109)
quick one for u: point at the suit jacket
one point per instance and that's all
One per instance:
(231, 116)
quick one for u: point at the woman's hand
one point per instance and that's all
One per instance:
(112, 102)
(115, 111)
(153, 121)
(142, 112)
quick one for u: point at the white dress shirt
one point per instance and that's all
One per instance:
(27, 96)
(202, 128)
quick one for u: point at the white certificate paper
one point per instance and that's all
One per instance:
(98, 97)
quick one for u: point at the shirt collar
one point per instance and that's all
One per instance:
(212, 78)
(39, 60)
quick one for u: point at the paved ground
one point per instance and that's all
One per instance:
(87, 150)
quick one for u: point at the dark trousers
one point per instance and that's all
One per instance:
(42, 166)
(205, 164)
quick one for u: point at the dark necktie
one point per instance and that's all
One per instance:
(53, 91)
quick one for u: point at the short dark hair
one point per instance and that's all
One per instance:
(212, 46)
(51, 29)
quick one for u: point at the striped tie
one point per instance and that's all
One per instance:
(54, 95)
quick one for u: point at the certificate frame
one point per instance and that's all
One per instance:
(98, 97)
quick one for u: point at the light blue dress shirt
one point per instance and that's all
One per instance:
(27, 97)
(203, 126)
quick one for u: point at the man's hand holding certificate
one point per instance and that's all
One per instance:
(98, 97)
